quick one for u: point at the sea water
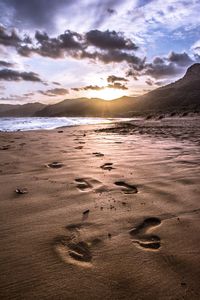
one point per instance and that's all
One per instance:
(34, 123)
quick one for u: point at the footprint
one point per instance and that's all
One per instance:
(83, 184)
(127, 188)
(6, 147)
(107, 166)
(98, 154)
(73, 249)
(143, 238)
(55, 165)
(86, 184)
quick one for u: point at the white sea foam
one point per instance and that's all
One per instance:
(25, 124)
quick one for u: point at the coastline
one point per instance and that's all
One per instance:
(139, 239)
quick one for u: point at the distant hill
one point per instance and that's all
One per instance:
(180, 96)
(26, 110)
(85, 107)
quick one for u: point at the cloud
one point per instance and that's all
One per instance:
(9, 39)
(163, 67)
(89, 87)
(115, 85)
(13, 75)
(149, 81)
(6, 64)
(111, 11)
(167, 66)
(38, 13)
(14, 98)
(111, 47)
(29, 94)
(68, 42)
(196, 47)
(113, 78)
(181, 59)
(109, 40)
(54, 92)
(47, 14)
(111, 56)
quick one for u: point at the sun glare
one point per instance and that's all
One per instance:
(108, 94)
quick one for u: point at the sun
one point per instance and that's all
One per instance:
(107, 94)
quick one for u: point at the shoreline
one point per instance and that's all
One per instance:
(112, 121)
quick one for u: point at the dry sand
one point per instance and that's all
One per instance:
(108, 215)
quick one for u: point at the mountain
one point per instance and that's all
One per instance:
(85, 107)
(180, 96)
(25, 110)
(7, 107)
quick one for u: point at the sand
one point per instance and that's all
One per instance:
(105, 214)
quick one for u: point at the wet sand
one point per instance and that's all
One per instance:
(108, 212)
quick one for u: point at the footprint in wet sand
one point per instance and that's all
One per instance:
(98, 154)
(83, 184)
(55, 165)
(127, 188)
(87, 184)
(6, 147)
(73, 249)
(143, 238)
(107, 166)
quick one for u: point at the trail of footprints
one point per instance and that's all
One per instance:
(73, 249)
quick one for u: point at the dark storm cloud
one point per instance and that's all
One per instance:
(111, 56)
(113, 78)
(54, 92)
(181, 59)
(109, 40)
(57, 47)
(158, 60)
(161, 70)
(172, 65)
(9, 39)
(6, 64)
(111, 47)
(163, 67)
(12, 75)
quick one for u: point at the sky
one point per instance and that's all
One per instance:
(51, 50)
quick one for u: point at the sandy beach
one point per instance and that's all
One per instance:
(101, 212)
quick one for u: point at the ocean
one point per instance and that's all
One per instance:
(34, 123)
